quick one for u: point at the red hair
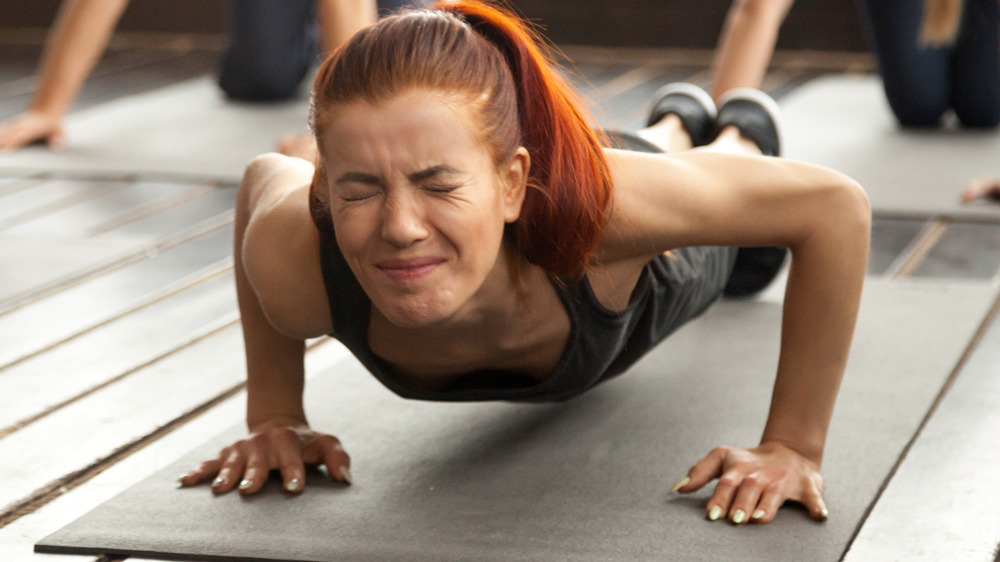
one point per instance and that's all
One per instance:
(505, 71)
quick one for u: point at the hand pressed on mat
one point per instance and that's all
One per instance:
(29, 127)
(981, 188)
(245, 464)
(754, 483)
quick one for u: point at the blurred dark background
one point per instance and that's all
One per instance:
(825, 25)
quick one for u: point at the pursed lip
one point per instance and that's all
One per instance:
(409, 269)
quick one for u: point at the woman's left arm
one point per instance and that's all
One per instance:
(824, 219)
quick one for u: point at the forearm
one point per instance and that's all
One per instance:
(747, 43)
(275, 362)
(340, 19)
(821, 305)
(74, 45)
(275, 372)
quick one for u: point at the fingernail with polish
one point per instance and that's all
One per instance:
(680, 484)
(715, 513)
(739, 516)
(218, 481)
(345, 473)
(824, 513)
(759, 514)
(245, 484)
(293, 485)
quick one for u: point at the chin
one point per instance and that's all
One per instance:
(414, 314)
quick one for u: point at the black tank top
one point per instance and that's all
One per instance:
(602, 343)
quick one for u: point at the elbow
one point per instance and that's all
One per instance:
(848, 218)
(837, 218)
(261, 167)
(857, 208)
(255, 175)
(266, 169)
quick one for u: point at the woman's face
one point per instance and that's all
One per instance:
(418, 206)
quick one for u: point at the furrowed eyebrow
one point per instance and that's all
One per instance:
(416, 177)
(357, 177)
(431, 172)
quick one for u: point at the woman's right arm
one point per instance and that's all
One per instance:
(78, 37)
(280, 437)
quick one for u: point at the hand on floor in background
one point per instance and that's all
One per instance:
(30, 127)
(300, 146)
(246, 464)
(754, 483)
(988, 188)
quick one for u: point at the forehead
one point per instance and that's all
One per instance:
(415, 127)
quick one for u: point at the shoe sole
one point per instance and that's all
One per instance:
(690, 90)
(760, 99)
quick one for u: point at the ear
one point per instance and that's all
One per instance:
(514, 177)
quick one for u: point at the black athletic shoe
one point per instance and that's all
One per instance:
(692, 105)
(755, 114)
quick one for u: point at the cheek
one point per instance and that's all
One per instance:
(353, 229)
(481, 226)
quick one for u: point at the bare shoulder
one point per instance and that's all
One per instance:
(280, 246)
(702, 198)
(649, 213)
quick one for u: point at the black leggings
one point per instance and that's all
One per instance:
(272, 46)
(922, 83)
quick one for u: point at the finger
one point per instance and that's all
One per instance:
(719, 504)
(21, 136)
(770, 500)
(288, 450)
(706, 470)
(813, 500)
(746, 498)
(229, 473)
(205, 470)
(257, 466)
(7, 140)
(974, 189)
(336, 459)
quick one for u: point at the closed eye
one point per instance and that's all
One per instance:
(440, 188)
(362, 197)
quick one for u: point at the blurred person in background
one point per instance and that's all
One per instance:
(933, 56)
(272, 46)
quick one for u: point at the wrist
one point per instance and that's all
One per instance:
(51, 110)
(810, 449)
(259, 423)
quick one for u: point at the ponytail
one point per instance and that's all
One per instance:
(570, 191)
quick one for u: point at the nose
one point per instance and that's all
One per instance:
(403, 220)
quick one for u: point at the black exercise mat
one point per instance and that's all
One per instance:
(583, 480)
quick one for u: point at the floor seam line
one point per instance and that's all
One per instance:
(973, 344)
